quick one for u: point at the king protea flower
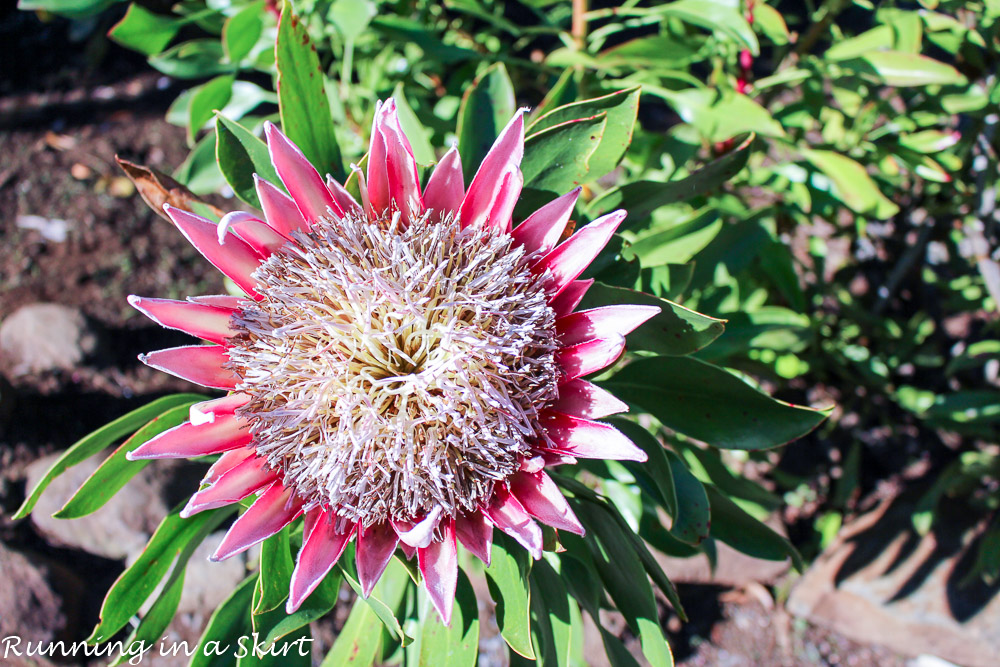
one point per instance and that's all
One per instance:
(402, 370)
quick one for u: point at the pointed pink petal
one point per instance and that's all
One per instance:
(321, 549)
(542, 499)
(260, 236)
(543, 228)
(235, 258)
(203, 321)
(503, 206)
(446, 187)
(188, 441)
(400, 165)
(219, 300)
(439, 564)
(207, 411)
(589, 440)
(585, 325)
(476, 533)
(419, 535)
(572, 256)
(250, 476)
(508, 515)
(580, 398)
(375, 547)
(201, 364)
(300, 177)
(280, 210)
(226, 462)
(590, 357)
(272, 511)
(378, 175)
(504, 157)
(570, 297)
(343, 198)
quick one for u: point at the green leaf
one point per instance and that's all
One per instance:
(115, 471)
(240, 155)
(720, 17)
(625, 579)
(486, 108)
(641, 198)
(384, 611)
(852, 184)
(896, 68)
(675, 331)
(73, 9)
(732, 525)
(507, 578)
(679, 243)
(173, 542)
(693, 518)
(207, 99)
(707, 403)
(557, 159)
(90, 444)
(276, 567)
(194, 59)
(456, 645)
(242, 30)
(230, 621)
(656, 467)
(199, 171)
(621, 109)
(356, 644)
(771, 23)
(551, 616)
(302, 101)
(275, 625)
(155, 622)
(143, 31)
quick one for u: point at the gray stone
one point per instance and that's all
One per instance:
(119, 529)
(45, 336)
(880, 583)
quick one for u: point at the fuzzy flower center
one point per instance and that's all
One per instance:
(396, 371)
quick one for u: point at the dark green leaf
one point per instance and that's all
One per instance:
(89, 445)
(692, 521)
(742, 532)
(173, 542)
(143, 31)
(230, 621)
(487, 106)
(115, 471)
(708, 403)
(657, 467)
(240, 155)
(557, 159)
(194, 59)
(507, 578)
(302, 100)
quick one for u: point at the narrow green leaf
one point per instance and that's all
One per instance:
(487, 106)
(896, 68)
(274, 625)
(143, 31)
(456, 645)
(678, 243)
(115, 471)
(710, 404)
(74, 9)
(240, 155)
(551, 616)
(852, 184)
(90, 444)
(621, 108)
(732, 525)
(302, 101)
(154, 623)
(276, 566)
(693, 518)
(356, 644)
(173, 543)
(656, 467)
(557, 159)
(507, 578)
(385, 612)
(641, 198)
(230, 621)
(242, 30)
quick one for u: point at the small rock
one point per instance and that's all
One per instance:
(46, 336)
(119, 529)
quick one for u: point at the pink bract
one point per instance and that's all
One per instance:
(562, 430)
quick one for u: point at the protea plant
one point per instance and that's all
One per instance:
(402, 370)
